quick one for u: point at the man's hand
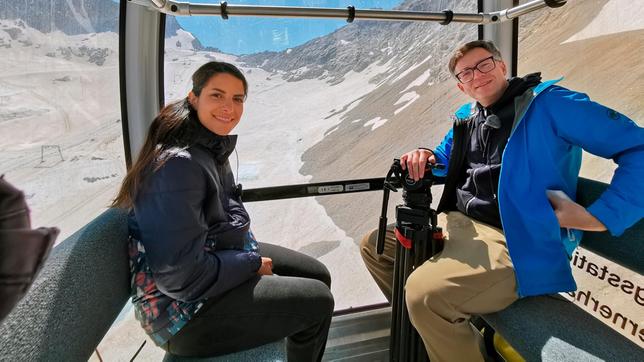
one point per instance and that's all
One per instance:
(572, 215)
(415, 161)
(267, 267)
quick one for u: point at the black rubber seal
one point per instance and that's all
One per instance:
(224, 10)
(555, 3)
(352, 13)
(449, 15)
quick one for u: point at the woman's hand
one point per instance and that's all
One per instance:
(416, 161)
(572, 215)
(267, 267)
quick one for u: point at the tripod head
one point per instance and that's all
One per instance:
(416, 196)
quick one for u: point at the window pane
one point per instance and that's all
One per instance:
(597, 46)
(327, 101)
(60, 127)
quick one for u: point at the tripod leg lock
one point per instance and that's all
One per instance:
(403, 239)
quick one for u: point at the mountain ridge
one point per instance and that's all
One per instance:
(71, 17)
(355, 46)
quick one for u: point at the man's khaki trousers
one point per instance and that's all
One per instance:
(472, 275)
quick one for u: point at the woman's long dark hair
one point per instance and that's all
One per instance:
(166, 130)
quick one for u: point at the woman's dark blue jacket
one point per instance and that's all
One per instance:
(191, 221)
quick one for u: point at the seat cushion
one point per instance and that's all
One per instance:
(551, 328)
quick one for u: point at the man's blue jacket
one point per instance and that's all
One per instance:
(551, 127)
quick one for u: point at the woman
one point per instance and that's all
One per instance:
(202, 286)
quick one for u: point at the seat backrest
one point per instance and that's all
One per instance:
(627, 249)
(75, 299)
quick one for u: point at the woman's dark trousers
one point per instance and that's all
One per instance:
(296, 303)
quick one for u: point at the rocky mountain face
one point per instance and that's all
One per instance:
(76, 17)
(87, 28)
(354, 47)
(72, 17)
(69, 16)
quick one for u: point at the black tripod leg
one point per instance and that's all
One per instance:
(394, 343)
(408, 329)
(416, 254)
(424, 251)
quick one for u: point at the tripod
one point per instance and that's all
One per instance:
(418, 239)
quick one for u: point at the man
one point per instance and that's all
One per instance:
(513, 158)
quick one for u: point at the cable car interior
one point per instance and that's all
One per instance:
(337, 90)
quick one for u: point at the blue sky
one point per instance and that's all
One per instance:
(246, 35)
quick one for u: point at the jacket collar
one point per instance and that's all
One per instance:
(516, 87)
(220, 146)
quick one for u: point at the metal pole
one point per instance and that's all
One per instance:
(328, 13)
(350, 13)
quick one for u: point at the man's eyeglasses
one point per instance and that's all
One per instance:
(484, 66)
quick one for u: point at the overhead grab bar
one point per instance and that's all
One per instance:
(350, 13)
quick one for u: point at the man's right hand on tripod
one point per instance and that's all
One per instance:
(416, 161)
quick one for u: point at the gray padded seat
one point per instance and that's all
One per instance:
(550, 328)
(72, 303)
(77, 296)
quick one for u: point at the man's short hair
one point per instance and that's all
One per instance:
(460, 52)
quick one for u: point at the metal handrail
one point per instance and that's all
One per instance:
(350, 13)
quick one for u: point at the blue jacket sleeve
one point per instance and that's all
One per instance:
(609, 134)
(173, 231)
(442, 153)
